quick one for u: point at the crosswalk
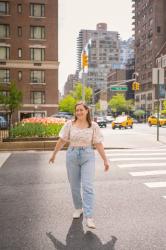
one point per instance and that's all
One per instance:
(3, 158)
(146, 163)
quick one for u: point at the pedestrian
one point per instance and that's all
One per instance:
(81, 134)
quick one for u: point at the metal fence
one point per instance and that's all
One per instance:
(4, 133)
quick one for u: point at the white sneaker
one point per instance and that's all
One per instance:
(77, 213)
(90, 223)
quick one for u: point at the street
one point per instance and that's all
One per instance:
(36, 207)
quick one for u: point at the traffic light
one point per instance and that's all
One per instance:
(84, 60)
(135, 86)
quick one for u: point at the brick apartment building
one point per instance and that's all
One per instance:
(150, 35)
(29, 54)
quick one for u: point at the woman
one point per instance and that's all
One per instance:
(81, 134)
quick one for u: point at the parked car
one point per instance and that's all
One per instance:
(109, 118)
(66, 115)
(101, 121)
(152, 120)
(3, 123)
(123, 121)
(135, 120)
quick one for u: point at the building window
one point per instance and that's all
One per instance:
(37, 76)
(4, 30)
(19, 8)
(37, 97)
(4, 75)
(4, 93)
(158, 29)
(4, 8)
(19, 31)
(150, 22)
(4, 53)
(37, 32)
(19, 53)
(19, 75)
(37, 54)
(37, 10)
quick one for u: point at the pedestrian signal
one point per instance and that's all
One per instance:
(84, 60)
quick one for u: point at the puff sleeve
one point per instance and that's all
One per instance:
(97, 135)
(64, 133)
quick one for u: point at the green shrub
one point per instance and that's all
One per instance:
(35, 130)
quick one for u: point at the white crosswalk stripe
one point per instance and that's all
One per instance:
(138, 159)
(145, 159)
(148, 173)
(155, 184)
(3, 158)
(137, 165)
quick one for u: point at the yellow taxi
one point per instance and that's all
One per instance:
(152, 120)
(123, 121)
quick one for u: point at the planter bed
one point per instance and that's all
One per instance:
(24, 139)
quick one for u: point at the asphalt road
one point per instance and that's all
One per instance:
(140, 136)
(36, 207)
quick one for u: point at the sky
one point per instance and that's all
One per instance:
(75, 15)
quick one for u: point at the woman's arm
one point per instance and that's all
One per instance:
(59, 145)
(100, 149)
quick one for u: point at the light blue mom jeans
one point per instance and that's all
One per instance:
(80, 162)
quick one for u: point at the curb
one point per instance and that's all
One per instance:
(37, 145)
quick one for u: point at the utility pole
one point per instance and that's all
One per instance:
(158, 102)
(158, 78)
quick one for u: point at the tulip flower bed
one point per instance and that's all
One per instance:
(37, 127)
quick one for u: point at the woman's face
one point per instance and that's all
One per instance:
(81, 112)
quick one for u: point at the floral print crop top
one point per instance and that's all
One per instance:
(81, 137)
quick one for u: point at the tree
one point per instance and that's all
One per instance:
(77, 92)
(97, 106)
(119, 104)
(139, 113)
(163, 111)
(12, 101)
(67, 104)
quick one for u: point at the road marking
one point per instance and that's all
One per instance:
(129, 154)
(3, 158)
(135, 150)
(138, 159)
(131, 165)
(147, 173)
(155, 184)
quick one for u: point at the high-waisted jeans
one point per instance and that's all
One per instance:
(80, 162)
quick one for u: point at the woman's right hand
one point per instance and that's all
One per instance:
(52, 159)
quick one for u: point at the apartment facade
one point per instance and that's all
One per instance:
(72, 80)
(161, 63)
(150, 35)
(29, 54)
(103, 49)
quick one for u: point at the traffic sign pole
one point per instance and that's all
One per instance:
(158, 103)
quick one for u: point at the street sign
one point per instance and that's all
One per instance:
(158, 76)
(119, 88)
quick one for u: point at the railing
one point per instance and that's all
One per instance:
(4, 133)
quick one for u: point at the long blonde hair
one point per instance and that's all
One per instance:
(88, 116)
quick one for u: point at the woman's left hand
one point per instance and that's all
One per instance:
(106, 165)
